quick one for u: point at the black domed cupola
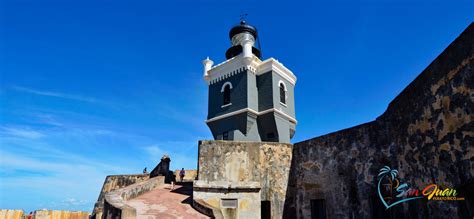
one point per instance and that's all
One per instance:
(240, 35)
(243, 27)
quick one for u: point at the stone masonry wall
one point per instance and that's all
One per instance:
(54, 214)
(112, 183)
(266, 163)
(11, 214)
(427, 134)
(115, 205)
(43, 214)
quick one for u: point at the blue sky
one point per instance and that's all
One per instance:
(94, 88)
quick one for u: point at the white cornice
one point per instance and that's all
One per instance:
(279, 112)
(237, 64)
(230, 67)
(232, 114)
(274, 65)
(253, 112)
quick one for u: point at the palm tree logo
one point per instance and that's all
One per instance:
(387, 180)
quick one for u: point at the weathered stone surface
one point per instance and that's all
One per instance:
(238, 165)
(11, 214)
(54, 214)
(248, 202)
(112, 183)
(426, 133)
(207, 209)
(115, 201)
(44, 214)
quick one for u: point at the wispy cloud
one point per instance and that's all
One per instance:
(180, 152)
(22, 133)
(154, 151)
(45, 118)
(55, 94)
(56, 151)
(43, 172)
(74, 202)
(166, 147)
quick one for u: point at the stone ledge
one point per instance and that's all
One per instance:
(225, 186)
(256, 143)
(125, 175)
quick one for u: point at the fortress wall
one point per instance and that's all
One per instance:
(11, 214)
(115, 205)
(44, 214)
(112, 183)
(427, 134)
(244, 168)
(55, 214)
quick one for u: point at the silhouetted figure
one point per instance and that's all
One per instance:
(145, 171)
(181, 174)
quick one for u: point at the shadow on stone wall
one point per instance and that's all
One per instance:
(426, 133)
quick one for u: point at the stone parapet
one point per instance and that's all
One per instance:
(11, 214)
(112, 183)
(44, 214)
(57, 214)
(115, 201)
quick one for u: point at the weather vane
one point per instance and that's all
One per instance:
(242, 17)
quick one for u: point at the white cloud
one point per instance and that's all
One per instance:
(22, 133)
(55, 179)
(42, 166)
(173, 148)
(55, 94)
(180, 153)
(33, 163)
(47, 119)
(74, 202)
(154, 151)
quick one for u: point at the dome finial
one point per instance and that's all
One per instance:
(242, 18)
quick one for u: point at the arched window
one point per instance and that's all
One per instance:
(226, 87)
(282, 92)
(226, 94)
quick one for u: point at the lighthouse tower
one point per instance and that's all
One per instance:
(249, 99)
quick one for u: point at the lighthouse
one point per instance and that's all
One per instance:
(250, 99)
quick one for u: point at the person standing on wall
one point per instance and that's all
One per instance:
(181, 174)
